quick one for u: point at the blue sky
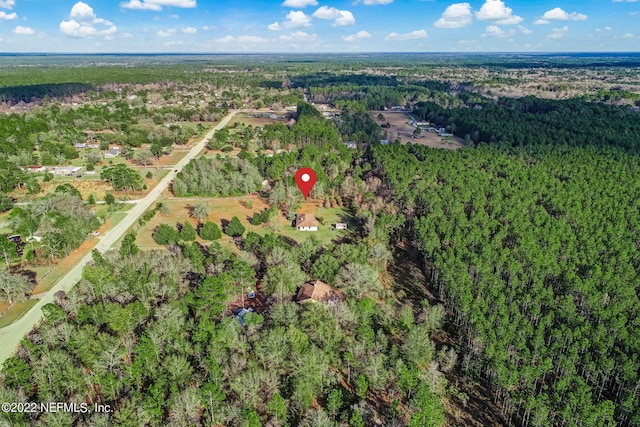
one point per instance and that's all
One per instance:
(318, 26)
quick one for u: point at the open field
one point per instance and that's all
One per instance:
(226, 208)
(400, 127)
(249, 119)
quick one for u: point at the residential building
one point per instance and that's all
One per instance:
(114, 152)
(315, 290)
(306, 222)
(65, 170)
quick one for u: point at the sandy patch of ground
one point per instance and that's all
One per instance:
(174, 157)
(401, 128)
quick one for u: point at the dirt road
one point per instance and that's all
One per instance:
(11, 335)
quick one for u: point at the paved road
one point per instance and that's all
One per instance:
(11, 335)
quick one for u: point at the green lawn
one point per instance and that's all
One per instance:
(326, 230)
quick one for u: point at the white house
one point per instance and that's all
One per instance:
(65, 170)
(306, 222)
(341, 226)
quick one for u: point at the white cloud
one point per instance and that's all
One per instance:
(156, 4)
(23, 31)
(8, 16)
(173, 43)
(558, 33)
(226, 39)
(376, 2)
(628, 36)
(298, 36)
(242, 39)
(524, 30)
(413, 35)
(7, 4)
(360, 35)
(557, 14)
(346, 18)
(299, 3)
(607, 28)
(495, 31)
(496, 11)
(138, 5)
(297, 19)
(325, 12)
(83, 22)
(274, 27)
(127, 36)
(189, 30)
(457, 15)
(342, 17)
(167, 33)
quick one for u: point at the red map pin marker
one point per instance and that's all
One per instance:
(305, 179)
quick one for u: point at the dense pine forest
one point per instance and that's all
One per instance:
(535, 252)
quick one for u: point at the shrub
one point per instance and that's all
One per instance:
(6, 202)
(234, 228)
(187, 233)
(165, 234)
(210, 231)
(263, 216)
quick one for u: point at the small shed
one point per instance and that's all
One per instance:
(341, 226)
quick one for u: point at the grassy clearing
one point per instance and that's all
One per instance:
(223, 209)
(401, 128)
(249, 119)
(16, 311)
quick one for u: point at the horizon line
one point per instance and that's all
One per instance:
(637, 52)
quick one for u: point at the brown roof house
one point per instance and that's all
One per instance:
(315, 290)
(306, 222)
